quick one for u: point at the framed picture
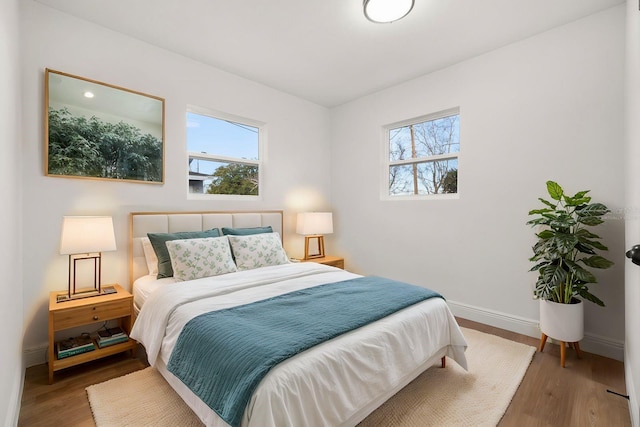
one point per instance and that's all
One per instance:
(96, 130)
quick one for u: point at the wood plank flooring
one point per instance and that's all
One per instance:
(548, 396)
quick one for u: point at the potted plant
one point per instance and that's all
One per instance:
(563, 254)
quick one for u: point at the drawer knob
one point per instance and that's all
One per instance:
(95, 317)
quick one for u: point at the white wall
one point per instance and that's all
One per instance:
(11, 368)
(549, 107)
(295, 171)
(632, 232)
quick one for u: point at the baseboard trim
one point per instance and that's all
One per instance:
(35, 356)
(591, 343)
(634, 410)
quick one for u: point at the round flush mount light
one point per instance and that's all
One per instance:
(88, 94)
(385, 11)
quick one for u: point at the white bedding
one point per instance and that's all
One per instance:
(336, 383)
(145, 286)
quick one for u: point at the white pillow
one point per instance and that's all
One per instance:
(195, 258)
(150, 256)
(257, 250)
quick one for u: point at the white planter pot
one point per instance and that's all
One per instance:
(563, 322)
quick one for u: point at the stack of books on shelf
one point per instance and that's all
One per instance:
(74, 345)
(111, 336)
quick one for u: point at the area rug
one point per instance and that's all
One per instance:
(438, 397)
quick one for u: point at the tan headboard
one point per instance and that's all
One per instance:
(141, 223)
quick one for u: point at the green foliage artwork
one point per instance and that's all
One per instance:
(91, 147)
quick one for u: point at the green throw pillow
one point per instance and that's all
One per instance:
(246, 231)
(158, 241)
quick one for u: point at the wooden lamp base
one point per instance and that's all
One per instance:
(320, 253)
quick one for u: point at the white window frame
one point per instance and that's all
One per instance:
(387, 163)
(262, 142)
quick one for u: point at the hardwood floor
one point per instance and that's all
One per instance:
(572, 396)
(65, 403)
(548, 396)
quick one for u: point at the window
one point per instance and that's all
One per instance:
(224, 154)
(422, 156)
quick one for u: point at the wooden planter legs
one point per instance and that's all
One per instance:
(563, 348)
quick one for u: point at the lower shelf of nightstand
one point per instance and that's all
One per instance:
(98, 353)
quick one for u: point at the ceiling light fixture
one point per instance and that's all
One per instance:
(385, 11)
(88, 94)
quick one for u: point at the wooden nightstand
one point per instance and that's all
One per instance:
(333, 261)
(86, 311)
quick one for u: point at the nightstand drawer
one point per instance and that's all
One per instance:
(335, 263)
(76, 316)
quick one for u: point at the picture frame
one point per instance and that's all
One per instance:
(95, 130)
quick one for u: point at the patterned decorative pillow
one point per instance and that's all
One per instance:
(195, 258)
(258, 250)
(158, 242)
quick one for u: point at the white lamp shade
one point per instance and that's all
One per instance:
(314, 223)
(387, 10)
(87, 234)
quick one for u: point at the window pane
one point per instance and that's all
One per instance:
(227, 145)
(438, 177)
(215, 136)
(429, 138)
(401, 180)
(210, 177)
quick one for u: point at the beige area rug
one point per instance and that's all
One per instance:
(438, 397)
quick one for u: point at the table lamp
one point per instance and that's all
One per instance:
(312, 225)
(84, 238)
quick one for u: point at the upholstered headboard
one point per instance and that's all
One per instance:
(141, 223)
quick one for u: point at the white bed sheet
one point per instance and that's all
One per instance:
(145, 286)
(337, 383)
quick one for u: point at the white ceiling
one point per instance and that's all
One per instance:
(326, 51)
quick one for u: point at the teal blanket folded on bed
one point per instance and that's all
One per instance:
(223, 355)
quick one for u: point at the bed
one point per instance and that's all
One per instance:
(337, 382)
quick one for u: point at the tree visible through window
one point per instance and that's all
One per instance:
(423, 155)
(224, 156)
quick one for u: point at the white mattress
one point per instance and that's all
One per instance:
(145, 286)
(336, 383)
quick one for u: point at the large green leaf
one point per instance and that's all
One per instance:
(581, 194)
(596, 261)
(590, 220)
(553, 275)
(554, 190)
(540, 247)
(543, 289)
(565, 242)
(539, 266)
(585, 249)
(583, 232)
(546, 234)
(594, 209)
(590, 297)
(540, 211)
(539, 221)
(548, 203)
(562, 221)
(574, 202)
(580, 273)
(593, 244)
